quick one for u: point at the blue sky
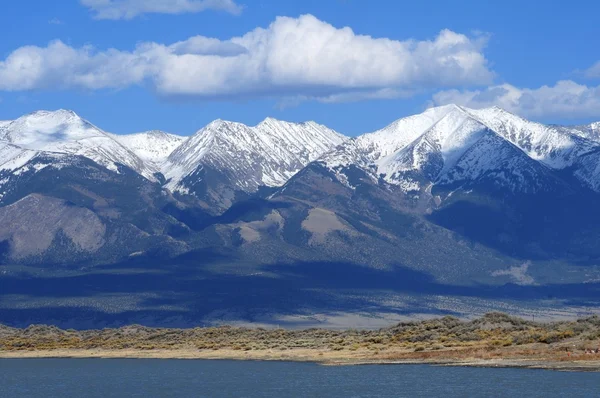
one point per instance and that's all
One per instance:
(377, 60)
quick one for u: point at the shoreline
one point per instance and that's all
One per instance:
(494, 340)
(577, 364)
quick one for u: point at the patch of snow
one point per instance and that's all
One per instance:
(153, 147)
(590, 131)
(12, 157)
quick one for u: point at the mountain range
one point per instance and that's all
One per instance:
(453, 210)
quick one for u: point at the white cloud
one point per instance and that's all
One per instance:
(59, 66)
(566, 99)
(294, 57)
(384, 93)
(593, 71)
(128, 9)
(55, 21)
(350, 96)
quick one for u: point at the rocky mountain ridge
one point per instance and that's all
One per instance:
(450, 200)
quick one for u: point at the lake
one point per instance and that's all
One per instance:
(207, 378)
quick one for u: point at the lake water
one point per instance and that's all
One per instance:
(200, 378)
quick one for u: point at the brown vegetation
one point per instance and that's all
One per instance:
(492, 336)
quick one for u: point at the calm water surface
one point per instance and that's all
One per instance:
(200, 378)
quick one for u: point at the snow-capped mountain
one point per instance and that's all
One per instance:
(267, 154)
(445, 145)
(219, 161)
(459, 149)
(449, 144)
(590, 131)
(554, 146)
(550, 145)
(153, 147)
(376, 146)
(453, 196)
(64, 132)
(400, 133)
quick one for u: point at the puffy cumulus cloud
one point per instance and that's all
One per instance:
(566, 99)
(128, 9)
(59, 66)
(294, 57)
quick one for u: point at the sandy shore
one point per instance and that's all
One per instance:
(322, 357)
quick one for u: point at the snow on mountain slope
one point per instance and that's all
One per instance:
(4, 122)
(550, 145)
(12, 157)
(555, 146)
(63, 131)
(428, 148)
(153, 147)
(15, 161)
(433, 152)
(590, 131)
(264, 155)
(493, 161)
(376, 146)
(227, 157)
(368, 150)
(345, 156)
(446, 140)
(460, 150)
(595, 128)
(400, 133)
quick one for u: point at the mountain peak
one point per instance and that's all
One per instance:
(436, 140)
(61, 124)
(220, 123)
(63, 131)
(267, 154)
(269, 120)
(37, 129)
(152, 146)
(59, 113)
(402, 132)
(436, 150)
(68, 112)
(445, 108)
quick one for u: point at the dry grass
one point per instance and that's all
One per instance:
(493, 336)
